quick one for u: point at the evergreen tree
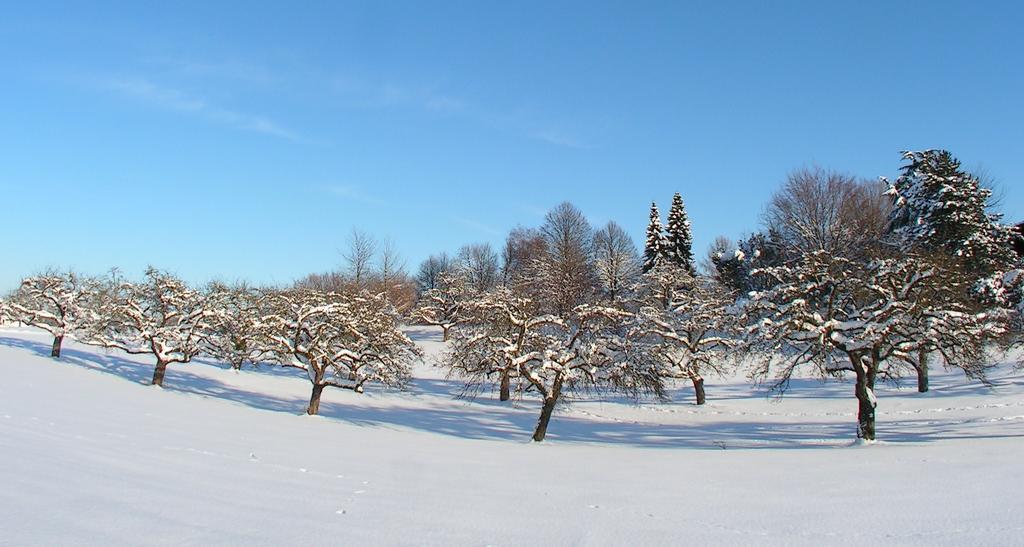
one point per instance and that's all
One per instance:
(678, 238)
(939, 207)
(654, 247)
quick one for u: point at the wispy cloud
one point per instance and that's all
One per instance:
(475, 225)
(367, 94)
(350, 192)
(170, 98)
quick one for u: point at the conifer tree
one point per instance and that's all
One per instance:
(678, 238)
(654, 247)
(940, 207)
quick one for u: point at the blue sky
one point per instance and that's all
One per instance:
(246, 140)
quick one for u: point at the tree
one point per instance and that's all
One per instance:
(654, 246)
(523, 248)
(564, 276)
(587, 349)
(359, 257)
(443, 305)
(678, 238)
(616, 259)
(937, 206)
(53, 301)
(479, 265)
(339, 340)
(393, 279)
(161, 316)
(819, 210)
(824, 308)
(695, 333)
(430, 271)
(234, 314)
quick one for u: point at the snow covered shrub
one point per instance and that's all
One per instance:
(160, 316)
(340, 340)
(56, 302)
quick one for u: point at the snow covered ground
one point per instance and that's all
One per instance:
(90, 455)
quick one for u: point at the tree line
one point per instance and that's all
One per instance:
(874, 279)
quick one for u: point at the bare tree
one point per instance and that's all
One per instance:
(430, 271)
(53, 301)
(358, 257)
(325, 282)
(819, 210)
(565, 275)
(479, 264)
(523, 247)
(616, 260)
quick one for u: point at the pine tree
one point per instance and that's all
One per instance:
(678, 238)
(654, 247)
(940, 207)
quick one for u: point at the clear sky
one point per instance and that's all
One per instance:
(245, 140)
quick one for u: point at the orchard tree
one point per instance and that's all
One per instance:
(443, 305)
(56, 302)
(694, 334)
(841, 315)
(233, 324)
(339, 340)
(587, 349)
(678, 241)
(160, 316)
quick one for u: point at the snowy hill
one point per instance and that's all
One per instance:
(91, 455)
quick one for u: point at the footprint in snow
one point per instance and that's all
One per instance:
(594, 506)
(340, 512)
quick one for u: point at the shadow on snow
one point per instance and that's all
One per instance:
(486, 418)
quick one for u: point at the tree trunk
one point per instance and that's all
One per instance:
(865, 397)
(314, 399)
(545, 413)
(505, 387)
(922, 371)
(445, 333)
(159, 372)
(57, 341)
(698, 388)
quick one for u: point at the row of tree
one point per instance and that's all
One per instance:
(856, 277)
(340, 339)
(868, 278)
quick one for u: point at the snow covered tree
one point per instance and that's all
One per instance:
(587, 349)
(161, 316)
(443, 305)
(616, 260)
(937, 206)
(339, 340)
(56, 302)
(694, 334)
(232, 325)
(825, 310)
(678, 240)
(654, 246)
